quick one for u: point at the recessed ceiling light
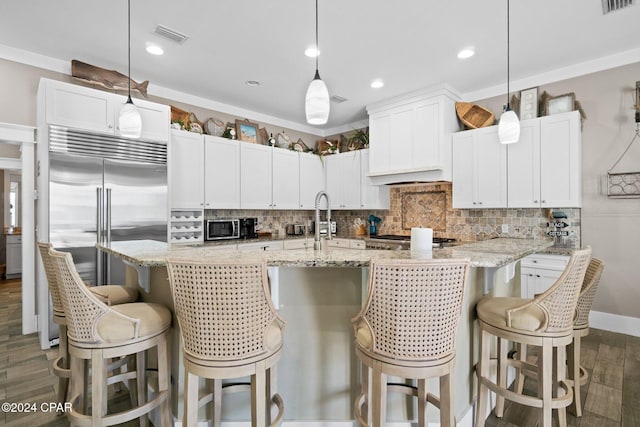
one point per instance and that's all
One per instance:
(312, 52)
(466, 53)
(252, 83)
(154, 49)
(377, 83)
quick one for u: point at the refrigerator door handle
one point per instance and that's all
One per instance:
(108, 230)
(100, 235)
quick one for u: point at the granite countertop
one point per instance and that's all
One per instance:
(489, 253)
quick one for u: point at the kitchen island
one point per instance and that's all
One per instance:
(318, 374)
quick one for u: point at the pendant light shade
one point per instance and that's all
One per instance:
(129, 120)
(509, 125)
(317, 102)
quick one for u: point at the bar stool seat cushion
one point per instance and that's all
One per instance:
(114, 294)
(494, 311)
(154, 319)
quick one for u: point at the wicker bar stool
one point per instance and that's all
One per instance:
(407, 328)
(545, 321)
(109, 294)
(97, 333)
(229, 329)
(577, 375)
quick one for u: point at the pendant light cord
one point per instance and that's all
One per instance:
(508, 59)
(317, 49)
(129, 48)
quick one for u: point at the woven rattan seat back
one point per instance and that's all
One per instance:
(224, 309)
(50, 273)
(588, 292)
(413, 307)
(560, 300)
(82, 309)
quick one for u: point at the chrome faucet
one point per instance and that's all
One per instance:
(316, 242)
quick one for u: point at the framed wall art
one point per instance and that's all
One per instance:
(247, 131)
(560, 104)
(529, 104)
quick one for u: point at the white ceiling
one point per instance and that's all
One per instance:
(411, 44)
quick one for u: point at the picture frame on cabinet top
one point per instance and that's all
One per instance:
(560, 104)
(247, 131)
(529, 104)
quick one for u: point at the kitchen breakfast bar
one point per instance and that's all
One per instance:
(317, 292)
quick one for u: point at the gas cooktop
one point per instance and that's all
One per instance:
(396, 237)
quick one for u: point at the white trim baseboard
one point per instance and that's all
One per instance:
(615, 323)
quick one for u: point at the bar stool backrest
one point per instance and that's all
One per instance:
(413, 307)
(50, 273)
(82, 309)
(224, 309)
(559, 301)
(588, 292)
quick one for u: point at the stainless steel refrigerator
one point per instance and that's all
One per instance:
(103, 189)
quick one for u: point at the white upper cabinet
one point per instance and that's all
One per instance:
(94, 110)
(371, 196)
(286, 179)
(343, 180)
(561, 160)
(545, 164)
(312, 180)
(255, 176)
(410, 137)
(349, 185)
(221, 173)
(186, 170)
(479, 169)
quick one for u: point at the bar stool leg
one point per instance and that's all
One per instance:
(190, 418)
(520, 377)
(258, 390)
(163, 381)
(574, 374)
(447, 418)
(216, 402)
(63, 382)
(483, 372)
(379, 395)
(98, 388)
(422, 402)
(545, 374)
(502, 374)
(141, 384)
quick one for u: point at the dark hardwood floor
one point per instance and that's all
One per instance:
(611, 398)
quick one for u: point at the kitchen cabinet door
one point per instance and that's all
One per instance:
(14, 256)
(343, 180)
(539, 272)
(286, 179)
(155, 118)
(479, 169)
(372, 196)
(312, 180)
(221, 173)
(560, 160)
(255, 176)
(79, 107)
(523, 158)
(186, 170)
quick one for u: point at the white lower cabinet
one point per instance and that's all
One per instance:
(345, 243)
(297, 244)
(539, 271)
(14, 256)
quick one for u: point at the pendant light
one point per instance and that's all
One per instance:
(509, 125)
(129, 121)
(316, 103)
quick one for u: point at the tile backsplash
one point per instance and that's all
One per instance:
(427, 205)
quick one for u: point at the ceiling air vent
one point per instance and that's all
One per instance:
(338, 99)
(170, 34)
(613, 5)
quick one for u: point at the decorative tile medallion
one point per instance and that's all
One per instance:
(424, 209)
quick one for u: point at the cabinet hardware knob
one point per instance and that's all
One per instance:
(544, 201)
(537, 275)
(474, 203)
(535, 201)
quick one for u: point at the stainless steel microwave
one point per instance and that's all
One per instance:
(219, 229)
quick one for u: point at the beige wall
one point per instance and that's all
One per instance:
(610, 226)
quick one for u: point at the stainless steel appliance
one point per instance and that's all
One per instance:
(295, 230)
(248, 228)
(398, 242)
(220, 229)
(101, 188)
